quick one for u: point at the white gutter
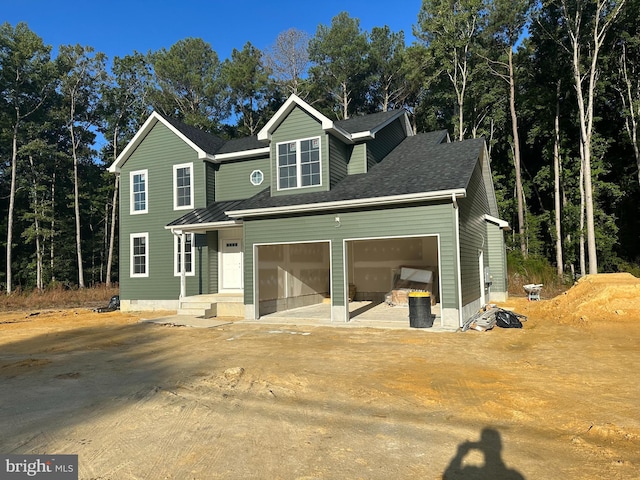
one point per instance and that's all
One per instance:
(500, 223)
(256, 152)
(365, 202)
(203, 227)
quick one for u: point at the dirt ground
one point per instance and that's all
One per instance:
(556, 399)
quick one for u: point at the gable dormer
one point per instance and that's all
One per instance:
(310, 152)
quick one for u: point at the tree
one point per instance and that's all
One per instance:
(341, 65)
(25, 81)
(189, 85)
(123, 109)
(248, 83)
(288, 60)
(587, 30)
(81, 74)
(507, 21)
(386, 49)
(450, 29)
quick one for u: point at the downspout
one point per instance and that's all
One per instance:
(459, 273)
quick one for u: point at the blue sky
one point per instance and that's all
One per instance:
(119, 27)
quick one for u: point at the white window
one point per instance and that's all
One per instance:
(139, 186)
(188, 257)
(299, 164)
(257, 177)
(139, 245)
(183, 186)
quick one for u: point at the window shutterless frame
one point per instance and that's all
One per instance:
(139, 254)
(188, 259)
(139, 192)
(183, 186)
(299, 163)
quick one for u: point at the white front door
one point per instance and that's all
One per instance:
(231, 264)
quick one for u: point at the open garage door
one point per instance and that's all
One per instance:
(375, 264)
(292, 275)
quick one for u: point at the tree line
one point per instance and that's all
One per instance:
(553, 86)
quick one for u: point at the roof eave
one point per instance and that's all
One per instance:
(203, 227)
(345, 204)
(141, 134)
(256, 152)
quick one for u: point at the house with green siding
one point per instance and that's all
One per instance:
(309, 210)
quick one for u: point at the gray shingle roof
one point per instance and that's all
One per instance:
(243, 144)
(206, 141)
(366, 123)
(420, 164)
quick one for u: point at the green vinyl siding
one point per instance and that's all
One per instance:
(210, 181)
(386, 140)
(497, 257)
(338, 158)
(472, 236)
(299, 124)
(383, 222)
(358, 160)
(233, 179)
(157, 153)
(212, 246)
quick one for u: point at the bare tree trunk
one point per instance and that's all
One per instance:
(631, 119)
(583, 266)
(76, 195)
(516, 155)
(36, 224)
(53, 227)
(603, 18)
(114, 208)
(12, 202)
(556, 185)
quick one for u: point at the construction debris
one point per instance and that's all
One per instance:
(486, 318)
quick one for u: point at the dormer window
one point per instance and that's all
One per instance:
(299, 163)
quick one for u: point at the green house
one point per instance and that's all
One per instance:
(309, 210)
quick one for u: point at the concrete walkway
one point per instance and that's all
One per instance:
(363, 315)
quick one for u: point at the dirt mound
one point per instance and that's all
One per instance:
(602, 297)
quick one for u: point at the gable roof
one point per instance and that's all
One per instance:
(420, 168)
(203, 143)
(348, 130)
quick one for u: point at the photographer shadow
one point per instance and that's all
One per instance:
(490, 446)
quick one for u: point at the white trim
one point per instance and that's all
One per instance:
(364, 202)
(456, 220)
(500, 223)
(133, 236)
(298, 164)
(204, 227)
(230, 236)
(285, 109)
(132, 211)
(256, 152)
(254, 183)
(176, 241)
(175, 186)
(140, 135)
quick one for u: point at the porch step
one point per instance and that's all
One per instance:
(213, 305)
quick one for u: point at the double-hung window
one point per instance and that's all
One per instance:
(188, 255)
(183, 186)
(139, 186)
(299, 164)
(139, 247)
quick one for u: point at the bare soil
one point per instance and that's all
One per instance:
(556, 399)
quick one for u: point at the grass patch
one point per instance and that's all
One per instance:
(57, 297)
(534, 269)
